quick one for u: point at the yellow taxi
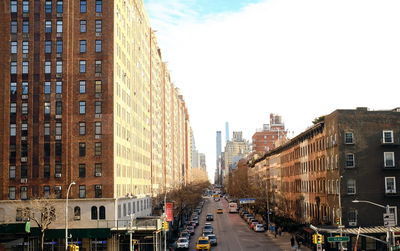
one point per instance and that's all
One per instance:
(203, 243)
(220, 211)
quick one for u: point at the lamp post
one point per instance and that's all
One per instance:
(387, 207)
(66, 216)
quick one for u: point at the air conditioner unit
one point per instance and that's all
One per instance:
(59, 34)
(98, 34)
(59, 14)
(97, 174)
(58, 116)
(97, 75)
(24, 159)
(97, 186)
(24, 180)
(58, 55)
(58, 137)
(58, 175)
(77, 217)
(97, 136)
(97, 116)
(352, 223)
(57, 188)
(23, 137)
(24, 96)
(58, 75)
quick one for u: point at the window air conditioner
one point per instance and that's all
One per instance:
(98, 186)
(352, 223)
(97, 174)
(24, 180)
(58, 175)
(24, 159)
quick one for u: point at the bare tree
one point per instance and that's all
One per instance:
(43, 213)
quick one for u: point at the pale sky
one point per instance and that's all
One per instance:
(240, 60)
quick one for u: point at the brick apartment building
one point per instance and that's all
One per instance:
(87, 98)
(270, 136)
(351, 154)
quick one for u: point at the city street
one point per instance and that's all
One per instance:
(231, 231)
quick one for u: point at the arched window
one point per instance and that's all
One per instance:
(94, 213)
(77, 213)
(102, 215)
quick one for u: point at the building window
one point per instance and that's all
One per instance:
(387, 136)
(13, 47)
(98, 170)
(97, 88)
(102, 213)
(82, 128)
(46, 171)
(25, 47)
(47, 26)
(58, 150)
(24, 129)
(83, 25)
(82, 149)
(13, 67)
(98, 67)
(25, 88)
(13, 152)
(77, 210)
(59, 6)
(58, 129)
(25, 67)
(59, 46)
(352, 217)
(389, 159)
(390, 185)
(82, 66)
(82, 86)
(82, 191)
(119, 211)
(46, 149)
(93, 213)
(98, 191)
(12, 172)
(83, 6)
(24, 150)
(11, 193)
(25, 26)
(24, 108)
(98, 47)
(59, 67)
(13, 6)
(47, 129)
(99, 6)
(13, 88)
(13, 130)
(24, 193)
(47, 47)
(82, 46)
(47, 6)
(13, 27)
(25, 6)
(99, 26)
(46, 191)
(351, 186)
(349, 160)
(97, 107)
(57, 191)
(97, 149)
(393, 210)
(58, 170)
(47, 108)
(82, 170)
(59, 85)
(97, 126)
(58, 108)
(13, 108)
(348, 138)
(59, 26)
(82, 107)
(47, 67)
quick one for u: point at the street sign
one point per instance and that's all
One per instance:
(389, 220)
(339, 239)
(396, 248)
(247, 201)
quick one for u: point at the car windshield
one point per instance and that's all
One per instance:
(182, 240)
(203, 241)
(208, 227)
(212, 237)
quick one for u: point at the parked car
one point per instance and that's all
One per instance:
(213, 239)
(253, 223)
(259, 228)
(190, 229)
(184, 234)
(203, 243)
(182, 243)
(209, 217)
(220, 211)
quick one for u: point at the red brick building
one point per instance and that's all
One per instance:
(267, 138)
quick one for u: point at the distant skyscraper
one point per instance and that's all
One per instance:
(226, 132)
(218, 156)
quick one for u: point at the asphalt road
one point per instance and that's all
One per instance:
(232, 232)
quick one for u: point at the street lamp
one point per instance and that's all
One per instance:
(387, 207)
(66, 216)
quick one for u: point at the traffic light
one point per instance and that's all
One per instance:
(337, 221)
(72, 247)
(320, 239)
(165, 225)
(315, 238)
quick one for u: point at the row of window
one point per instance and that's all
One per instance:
(83, 46)
(129, 208)
(47, 6)
(388, 160)
(47, 87)
(48, 26)
(58, 105)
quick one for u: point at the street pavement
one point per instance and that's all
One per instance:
(233, 234)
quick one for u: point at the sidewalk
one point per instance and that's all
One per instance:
(283, 241)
